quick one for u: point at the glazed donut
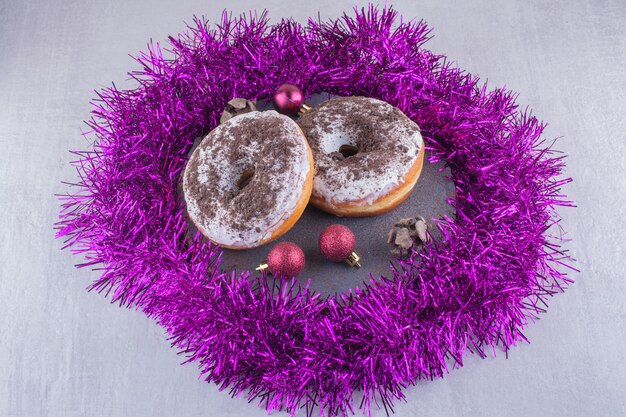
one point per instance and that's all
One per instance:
(249, 180)
(368, 155)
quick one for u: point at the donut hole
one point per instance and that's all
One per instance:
(348, 150)
(245, 178)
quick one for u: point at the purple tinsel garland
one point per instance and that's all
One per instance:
(286, 346)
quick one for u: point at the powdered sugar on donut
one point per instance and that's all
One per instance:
(387, 145)
(266, 148)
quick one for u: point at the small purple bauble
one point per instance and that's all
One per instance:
(336, 242)
(288, 99)
(286, 258)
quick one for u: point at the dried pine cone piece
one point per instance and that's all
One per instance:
(236, 107)
(407, 232)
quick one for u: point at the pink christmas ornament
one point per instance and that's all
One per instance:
(288, 99)
(337, 243)
(286, 258)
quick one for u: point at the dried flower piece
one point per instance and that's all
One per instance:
(406, 233)
(421, 229)
(403, 238)
(236, 107)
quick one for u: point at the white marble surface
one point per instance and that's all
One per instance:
(66, 352)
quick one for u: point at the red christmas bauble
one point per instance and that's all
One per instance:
(336, 242)
(286, 258)
(288, 99)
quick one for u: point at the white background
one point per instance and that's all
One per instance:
(66, 352)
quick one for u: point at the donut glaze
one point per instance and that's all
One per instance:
(382, 162)
(249, 180)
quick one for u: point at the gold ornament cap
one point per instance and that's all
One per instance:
(305, 108)
(262, 266)
(353, 260)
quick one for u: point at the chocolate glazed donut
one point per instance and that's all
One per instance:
(249, 180)
(368, 155)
